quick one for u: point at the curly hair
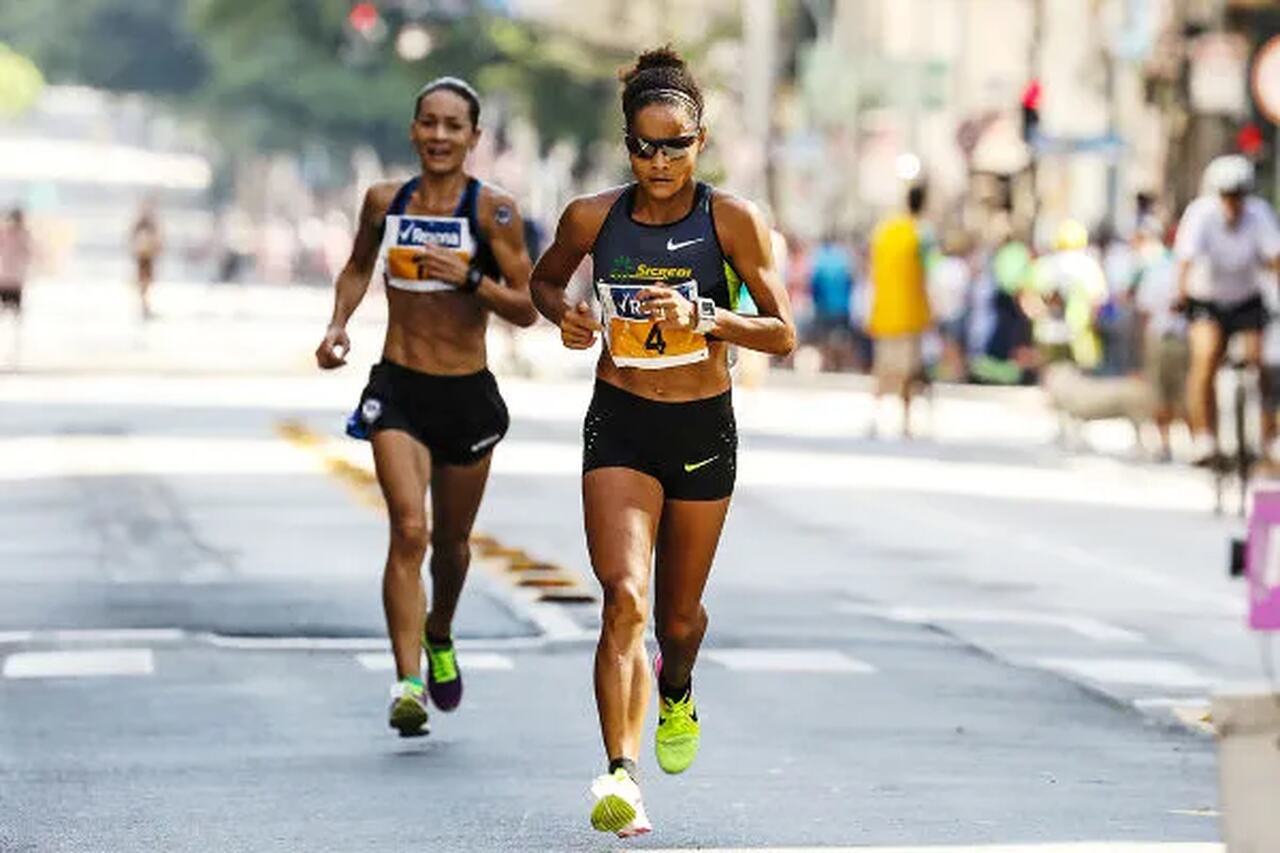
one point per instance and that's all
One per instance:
(660, 75)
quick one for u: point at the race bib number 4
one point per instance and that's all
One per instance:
(404, 240)
(634, 340)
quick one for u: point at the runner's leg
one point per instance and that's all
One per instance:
(404, 469)
(456, 491)
(621, 509)
(687, 541)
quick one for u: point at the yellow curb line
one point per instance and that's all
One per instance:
(557, 584)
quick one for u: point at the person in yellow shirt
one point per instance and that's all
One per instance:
(900, 312)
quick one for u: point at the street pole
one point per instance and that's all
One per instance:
(760, 34)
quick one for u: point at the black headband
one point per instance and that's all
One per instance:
(678, 94)
(456, 85)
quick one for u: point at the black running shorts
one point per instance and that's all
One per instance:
(458, 418)
(1247, 316)
(690, 448)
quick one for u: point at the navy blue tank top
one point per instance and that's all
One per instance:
(630, 252)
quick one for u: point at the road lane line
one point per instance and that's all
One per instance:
(1136, 671)
(104, 662)
(1083, 847)
(467, 661)
(16, 637)
(1086, 626)
(788, 660)
(114, 635)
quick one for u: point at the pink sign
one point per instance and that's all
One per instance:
(1262, 561)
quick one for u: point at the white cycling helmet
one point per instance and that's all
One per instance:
(1228, 175)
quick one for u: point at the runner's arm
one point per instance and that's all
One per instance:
(509, 298)
(747, 243)
(352, 283)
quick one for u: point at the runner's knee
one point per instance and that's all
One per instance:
(681, 628)
(408, 535)
(451, 548)
(624, 608)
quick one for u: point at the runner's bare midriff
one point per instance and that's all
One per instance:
(438, 333)
(708, 378)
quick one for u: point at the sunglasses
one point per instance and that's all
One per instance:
(674, 148)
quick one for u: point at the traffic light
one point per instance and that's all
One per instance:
(1031, 96)
(366, 21)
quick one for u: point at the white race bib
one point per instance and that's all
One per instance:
(635, 340)
(402, 242)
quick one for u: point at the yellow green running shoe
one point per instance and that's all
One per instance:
(408, 709)
(676, 740)
(444, 679)
(618, 807)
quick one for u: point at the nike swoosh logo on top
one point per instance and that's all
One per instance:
(690, 467)
(672, 245)
(485, 442)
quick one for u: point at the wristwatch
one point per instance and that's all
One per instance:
(472, 282)
(706, 315)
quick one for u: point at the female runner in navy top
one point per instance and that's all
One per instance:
(671, 256)
(453, 252)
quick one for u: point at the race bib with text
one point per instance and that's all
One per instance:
(634, 340)
(403, 241)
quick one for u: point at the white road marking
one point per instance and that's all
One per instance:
(360, 644)
(1143, 671)
(788, 660)
(114, 635)
(1086, 626)
(14, 637)
(467, 662)
(1083, 847)
(79, 664)
(320, 644)
(1158, 703)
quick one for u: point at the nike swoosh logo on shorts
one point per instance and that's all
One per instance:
(672, 245)
(690, 467)
(485, 442)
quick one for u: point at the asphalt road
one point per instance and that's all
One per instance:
(960, 642)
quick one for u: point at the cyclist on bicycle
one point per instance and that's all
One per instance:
(1228, 248)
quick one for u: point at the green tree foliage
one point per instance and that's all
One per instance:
(290, 75)
(120, 45)
(20, 82)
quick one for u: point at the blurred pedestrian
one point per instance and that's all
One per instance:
(452, 250)
(1166, 355)
(145, 245)
(1069, 288)
(16, 253)
(831, 290)
(1005, 354)
(950, 279)
(900, 312)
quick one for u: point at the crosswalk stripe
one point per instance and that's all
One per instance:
(1136, 671)
(467, 662)
(79, 663)
(1084, 847)
(1085, 626)
(788, 660)
(119, 635)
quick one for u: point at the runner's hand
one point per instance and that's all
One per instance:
(578, 327)
(442, 265)
(333, 350)
(668, 308)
